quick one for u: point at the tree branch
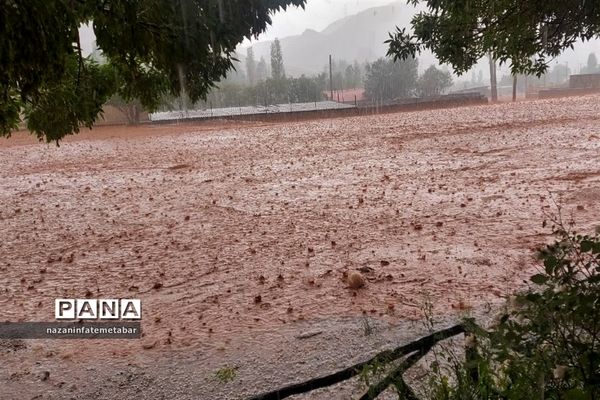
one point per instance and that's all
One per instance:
(347, 373)
(395, 377)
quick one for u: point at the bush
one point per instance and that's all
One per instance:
(433, 82)
(387, 80)
(547, 344)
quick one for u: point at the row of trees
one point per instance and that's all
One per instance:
(383, 80)
(257, 72)
(264, 84)
(345, 75)
(265, 92)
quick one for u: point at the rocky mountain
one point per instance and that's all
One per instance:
(358, 37)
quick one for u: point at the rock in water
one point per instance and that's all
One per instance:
(356, 280)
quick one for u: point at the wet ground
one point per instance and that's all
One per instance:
(238, 236)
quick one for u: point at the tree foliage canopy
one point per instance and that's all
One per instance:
(526, 34)
(592, 64)
(433, 82)
(386, 79)
(261, 70)
(277, 67)
(250, 66)
(152, 48)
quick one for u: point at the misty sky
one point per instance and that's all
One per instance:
(317, 15)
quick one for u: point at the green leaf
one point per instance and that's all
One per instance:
(577, 394)
(533, 297)
(550, 263)
(586, 246)
(539, 279)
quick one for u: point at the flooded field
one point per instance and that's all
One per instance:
(231, 232)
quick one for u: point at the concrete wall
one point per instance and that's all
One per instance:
(114, 116)
(555, 93)
(447, 101)
(585, 81)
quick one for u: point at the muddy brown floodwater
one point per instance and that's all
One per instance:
(232, 233)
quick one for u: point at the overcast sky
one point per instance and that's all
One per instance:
(317, 15)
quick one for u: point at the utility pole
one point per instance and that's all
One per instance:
(331, 77)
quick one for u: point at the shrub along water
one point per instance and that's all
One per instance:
(547, 344)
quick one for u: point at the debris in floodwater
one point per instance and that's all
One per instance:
(129, 195)
(356, 280)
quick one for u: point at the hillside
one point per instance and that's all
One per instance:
(357, 37)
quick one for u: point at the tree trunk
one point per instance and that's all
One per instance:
(331, 77)
(493, 82)
(514, 88)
